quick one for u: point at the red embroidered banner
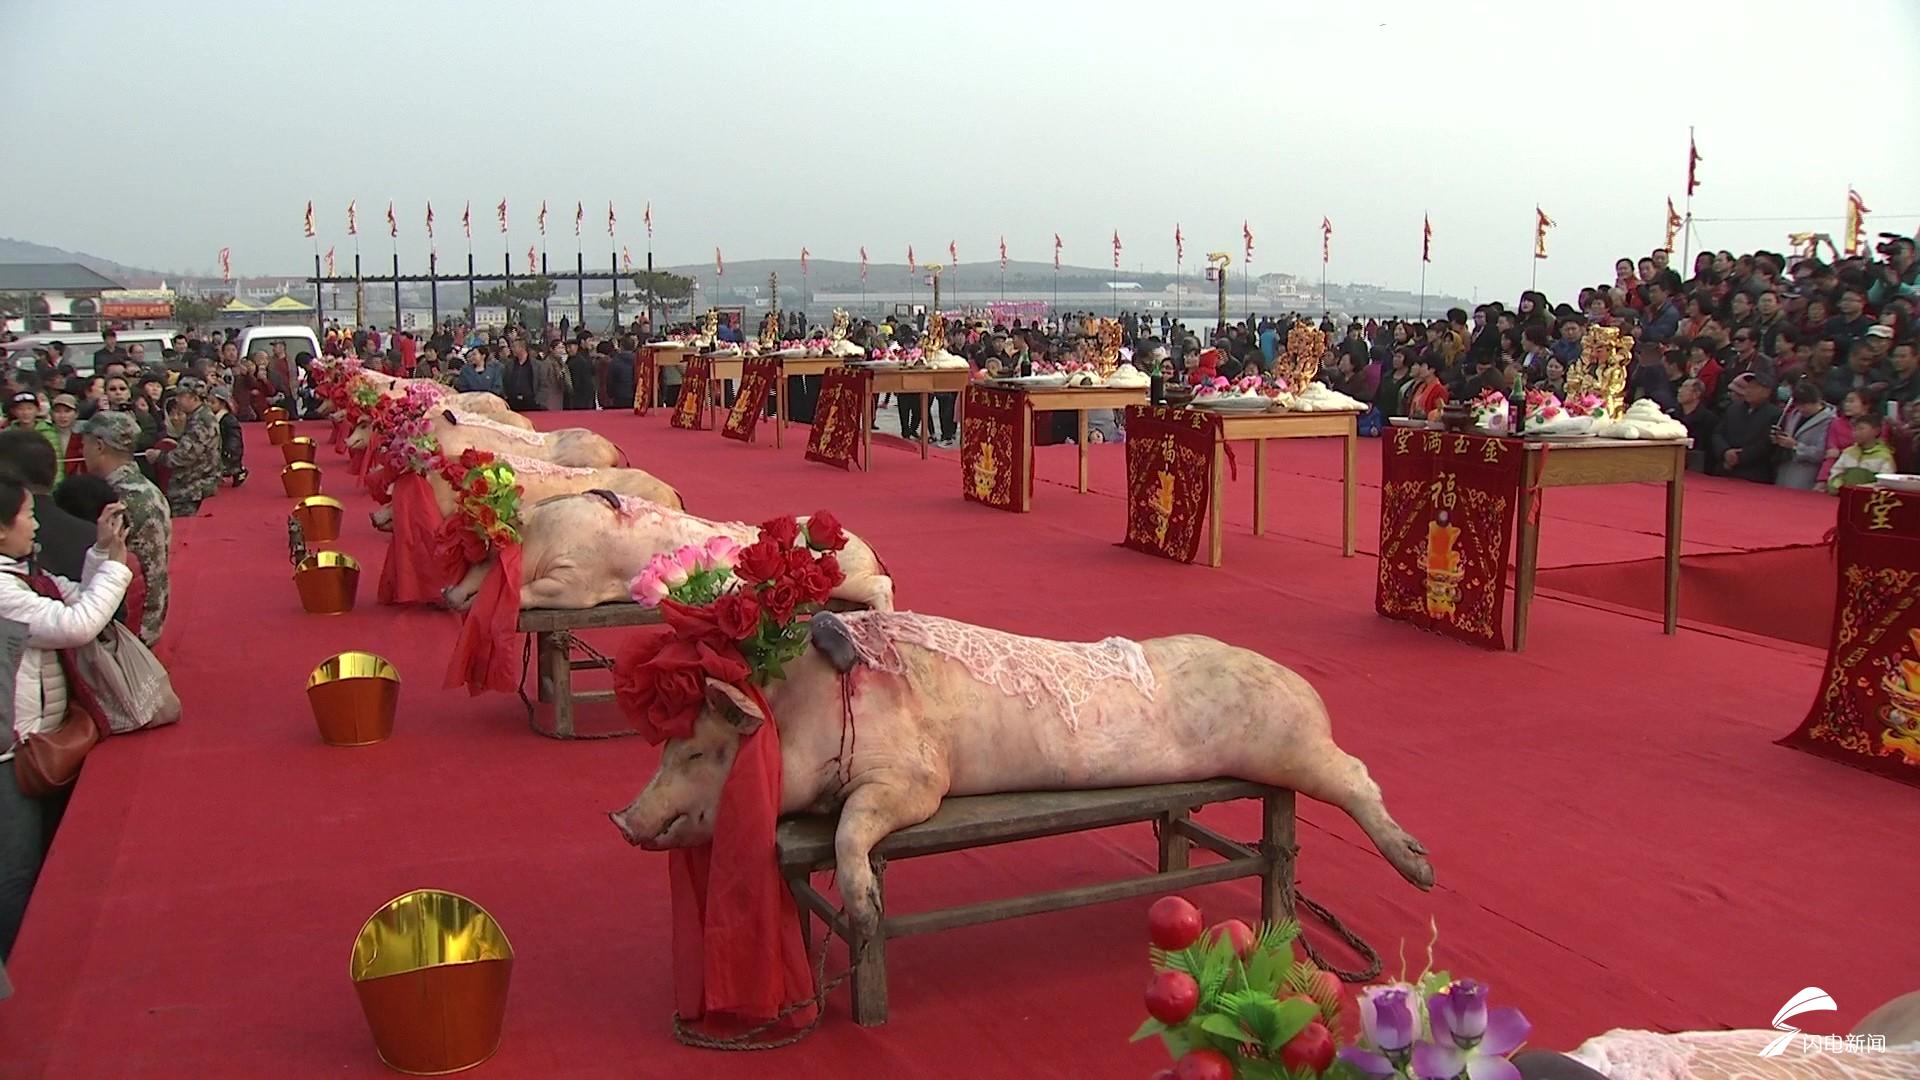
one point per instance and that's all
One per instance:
(1446, 529)
(838, 417)
(1867, 713)
(757, 377)
(645, 379)
(1169, 479)
(996, 451)
(691, 410)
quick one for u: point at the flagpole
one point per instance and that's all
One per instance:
(1423, 290)
(1686, 231)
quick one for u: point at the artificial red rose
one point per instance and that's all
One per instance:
(489, 517)
(824, 532)
(779, 600)
(798, 560)
(738, 615)
(813, 584)
(660, 683)
(829, 565)
(781, 530)
(477, 487)
(470, 458)
(762, 560)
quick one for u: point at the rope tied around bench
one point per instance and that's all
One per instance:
(749, 1039)
(565, 642)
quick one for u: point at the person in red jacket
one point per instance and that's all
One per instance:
(1206, 367)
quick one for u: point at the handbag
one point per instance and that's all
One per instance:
(47, 761)
(130, 687)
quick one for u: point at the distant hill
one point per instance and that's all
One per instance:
(833, 275)
(22, 251)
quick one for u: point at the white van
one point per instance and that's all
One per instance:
(261, 339)
(81, 347)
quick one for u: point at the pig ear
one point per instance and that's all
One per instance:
(734, 707)
(829, 635)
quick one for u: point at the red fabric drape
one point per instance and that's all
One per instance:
(339, 441)
(357, 460)
(483, 655)
(411, 573)
(737, 954)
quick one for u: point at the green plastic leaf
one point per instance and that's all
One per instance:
(1224, 1026)
(1278, 935)
(1292, 1016)
(1147, 1030)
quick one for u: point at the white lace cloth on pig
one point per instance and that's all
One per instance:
(1065, 671)
(684, 528)
(1688, 1055)
(531, 438)
(536, 467)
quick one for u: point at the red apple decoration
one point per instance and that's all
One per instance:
(1172, 923)
(1172, 996)
(1237, 933)
(1203, 1065)
(1311, 1050)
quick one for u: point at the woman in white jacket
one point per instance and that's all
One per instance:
(40, 699)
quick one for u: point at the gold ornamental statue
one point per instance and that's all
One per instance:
(841, 320)
(936, 335)
(1605, 356)
(1300, 362)
(770, 332)
(710, 324)
(1106, 357)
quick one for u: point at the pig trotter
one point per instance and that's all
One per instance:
(875, 809)
(829, 635)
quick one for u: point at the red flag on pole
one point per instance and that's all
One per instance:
(502, 208)
(533, 264)
(910, 264)
(429, 220)
(309, 219)
(1246, 235)
(1003, 254)
(466, 220)
(1116, 249)
(540, 219)
(626, 259)
(1426, 239)
(1056, 251)
(611, 220)
(953, 253)
(329, 260)
(393, 223)
(226, 264)
(863, 262)
(353, 218)
(579, 216)
(804, 255)
(1326, 240)
(719, 265)
(1693, 165)
(1179, 244)
(1541, 224)
(647, 216)
(1856, 223)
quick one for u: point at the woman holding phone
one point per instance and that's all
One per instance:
(48, 616)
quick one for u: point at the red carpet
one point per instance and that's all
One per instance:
(1618, 841)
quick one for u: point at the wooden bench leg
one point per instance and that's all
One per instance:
(1174, 845)
(870, 963)
(556, 681)
(1277, 850)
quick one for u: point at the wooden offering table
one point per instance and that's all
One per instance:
(1260, 427)
(1078, 400)
(805, 844)
(798, 367)
(665, 354)
(1586, 462)
(893, 379)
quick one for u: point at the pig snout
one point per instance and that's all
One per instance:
(658, 828)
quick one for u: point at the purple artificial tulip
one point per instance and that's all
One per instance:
(1436, 1061)
(1388, 1019)
(1459, 1013)
(1369, 1063)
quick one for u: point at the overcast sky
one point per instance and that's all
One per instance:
(157, 135)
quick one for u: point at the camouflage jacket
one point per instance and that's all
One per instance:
(196, 459)
(149, 535)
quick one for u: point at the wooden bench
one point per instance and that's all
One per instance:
(805, 844)
(553, 631)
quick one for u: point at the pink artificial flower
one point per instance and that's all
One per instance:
(721, 553)
(1220, 382)
(647, 589)
(668, 570)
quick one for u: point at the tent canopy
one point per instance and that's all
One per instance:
(237, 304)
(287, 303)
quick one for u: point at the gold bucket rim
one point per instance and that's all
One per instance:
(332, 669)
(323, 560)
(297, 466)
(299, 440)
(316, 502)
(271, 424)
(490, 936)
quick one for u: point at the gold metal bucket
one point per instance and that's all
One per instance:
(319, 517)
(301, 480)
(431, 970)
(327, 582)
(298, 448)
(354, 696)
(275, 415)
(279, 431)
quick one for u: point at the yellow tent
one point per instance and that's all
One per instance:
(287, 303)
(238, 305)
